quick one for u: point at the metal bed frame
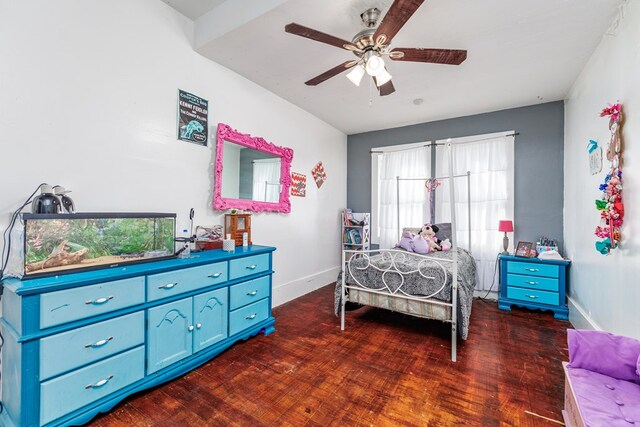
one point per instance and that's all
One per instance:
(384, 296)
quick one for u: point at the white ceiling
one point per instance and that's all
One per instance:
(519, 53)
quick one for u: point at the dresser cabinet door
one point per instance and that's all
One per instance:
(169, 334)
(209, 318)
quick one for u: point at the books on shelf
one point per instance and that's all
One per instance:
(355, 230)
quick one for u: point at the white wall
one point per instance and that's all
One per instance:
(605, 288)
(88, 100)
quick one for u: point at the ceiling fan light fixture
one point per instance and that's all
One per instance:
(375, 65)
(356, 74)
(383, 77)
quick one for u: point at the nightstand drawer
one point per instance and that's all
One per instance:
(69, 392)
(248, 292)
(533, 282)
(249, 265)
(532, 295)
(533, 269)
(66, 351)
(188, 279)
(248, 316)
(78, 303)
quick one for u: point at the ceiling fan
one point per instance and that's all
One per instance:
(371, 44)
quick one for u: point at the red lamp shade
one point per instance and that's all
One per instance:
(505, 226)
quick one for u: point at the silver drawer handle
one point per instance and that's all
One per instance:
(252, 267)
(99, 383)
(98, 343)
(253, 316)
(168, 286)
(215, 275)
(532, 296)
(252, 293)
(99, 300)
(190, 328)
(531, 283)
(198, 325)
(532, 269)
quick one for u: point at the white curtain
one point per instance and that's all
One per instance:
(266, 180)
(490, 161)
(412, 197)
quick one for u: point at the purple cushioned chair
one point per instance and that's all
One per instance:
(602, 386)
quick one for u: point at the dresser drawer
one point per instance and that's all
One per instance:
(69, 350)
(533, 282)
(66, 393)
(532, 295)
(78, 303)
(248, 292)
(248, 316)
(533, 269)
(189, 279)
(249, 265)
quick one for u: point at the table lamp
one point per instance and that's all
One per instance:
(507, 227)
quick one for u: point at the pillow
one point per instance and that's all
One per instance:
(612, 355)
(638, 367)
(420, 245)
(444, 231)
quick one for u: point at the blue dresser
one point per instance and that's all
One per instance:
(77, 344)
(534, 284)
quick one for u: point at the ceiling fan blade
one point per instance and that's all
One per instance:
(436, 56)
(385, 89)
(397, 15)
(330, 73)
(318, 36)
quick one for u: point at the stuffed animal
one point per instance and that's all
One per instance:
(414, 243)
(428, 232)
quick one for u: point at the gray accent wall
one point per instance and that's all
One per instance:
(539, 169)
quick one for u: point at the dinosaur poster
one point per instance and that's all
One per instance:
(192, 118)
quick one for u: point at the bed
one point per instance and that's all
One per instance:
(437, 286)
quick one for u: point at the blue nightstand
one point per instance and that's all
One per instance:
(534, 284)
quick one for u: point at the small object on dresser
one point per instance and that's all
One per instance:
(228, 244)
(237, 224)
(524, 249)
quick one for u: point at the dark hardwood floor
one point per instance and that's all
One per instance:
(385, 369)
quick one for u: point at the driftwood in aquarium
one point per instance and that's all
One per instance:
(59, 257)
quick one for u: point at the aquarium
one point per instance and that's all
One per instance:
(61, 243)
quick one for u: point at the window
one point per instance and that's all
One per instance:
(489, 158)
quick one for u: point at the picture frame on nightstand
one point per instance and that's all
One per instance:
(524, 249)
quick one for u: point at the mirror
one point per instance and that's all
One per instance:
(251, 173)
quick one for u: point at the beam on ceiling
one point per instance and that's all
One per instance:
(227, 17)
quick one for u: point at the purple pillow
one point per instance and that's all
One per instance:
(420, 245)
(638, 366)
(612, 355)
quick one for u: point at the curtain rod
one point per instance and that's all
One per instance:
(436, 143)
(438, 177)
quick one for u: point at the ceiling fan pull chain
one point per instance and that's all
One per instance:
(370, 93)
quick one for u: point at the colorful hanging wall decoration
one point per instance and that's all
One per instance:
(319, 174)
(610, 203)
(298, 184)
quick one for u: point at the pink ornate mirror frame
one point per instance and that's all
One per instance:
(226, 133)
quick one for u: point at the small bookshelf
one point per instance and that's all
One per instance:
(356, 234)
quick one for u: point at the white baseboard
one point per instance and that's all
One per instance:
(292, 290)
(579, 317)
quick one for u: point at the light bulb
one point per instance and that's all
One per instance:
(383, 77)
(375, 65)
(356, 74)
